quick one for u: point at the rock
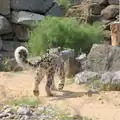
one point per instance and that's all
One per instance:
(21, 32)
(95, 8)
(111, 78)
(7, 54)
(93, 18)
(10, 45)
(103, 58)
(107, 23)
(107, 77)
(3, 115)
(107, 36)
(11, 65)
(25, 18)
(5, 26)
(38, 6)
(86, 76)
(116, 78)
(24, 111)
(113, 2)
(1, 43)
(110, 12)
(72, 67)
(8, 37)
(66, 54)
(82, 57)
(5, 7)
(101, 2)
(74, 2)
(55, 11)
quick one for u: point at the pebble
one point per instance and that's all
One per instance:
(41, 112)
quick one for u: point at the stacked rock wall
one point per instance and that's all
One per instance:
(15, 18)
(91, 11)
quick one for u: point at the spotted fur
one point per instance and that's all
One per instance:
(48, 65)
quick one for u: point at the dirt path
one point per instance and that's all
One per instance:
(102, 106)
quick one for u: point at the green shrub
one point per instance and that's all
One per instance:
(63, 32)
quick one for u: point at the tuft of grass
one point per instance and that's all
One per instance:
(110, 87)
(66, 33)
(98, 86)
(26, 101)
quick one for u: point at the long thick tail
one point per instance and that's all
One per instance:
(21, 54)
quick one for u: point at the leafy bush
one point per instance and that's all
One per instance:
(63, 32)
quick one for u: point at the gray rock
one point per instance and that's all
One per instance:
(26, 18)
(8, 37)
(10, 45)
(39, 6)
(3, 115)
(5, 26)
(0, 43)
(116, 78)
(111, 78)
(55, 11)
(74, 2)
(11, 65)
(101, 2)
(66, 54)
(24, 111)
(93, 18)
(107, 35)
(5, 7)
(72, 67)
(86, 77)
(95, 8)
(113, 2)
(107, 77)
(110, 12)
(103, 58)
(21, 32)
(82, 57)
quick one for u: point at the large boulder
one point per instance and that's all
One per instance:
(55, 10)
(93, 18)
(74, 2)
(110, 12)
(101, 2)
(10, 45)
(66, 54)
(72, 67)
(111, 78)
(21, 32)
(5, 26)
(25, 18)
(86, 77)
(39, 6)
(103, 58)
(107, 36)
(95, 8)
(0, 43)
(113, 2)
(5, 7)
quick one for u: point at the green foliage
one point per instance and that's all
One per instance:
(63, 32)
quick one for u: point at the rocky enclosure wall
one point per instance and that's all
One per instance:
(15, 18)
(91, 11)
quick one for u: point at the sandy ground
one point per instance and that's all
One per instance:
(98, 106)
